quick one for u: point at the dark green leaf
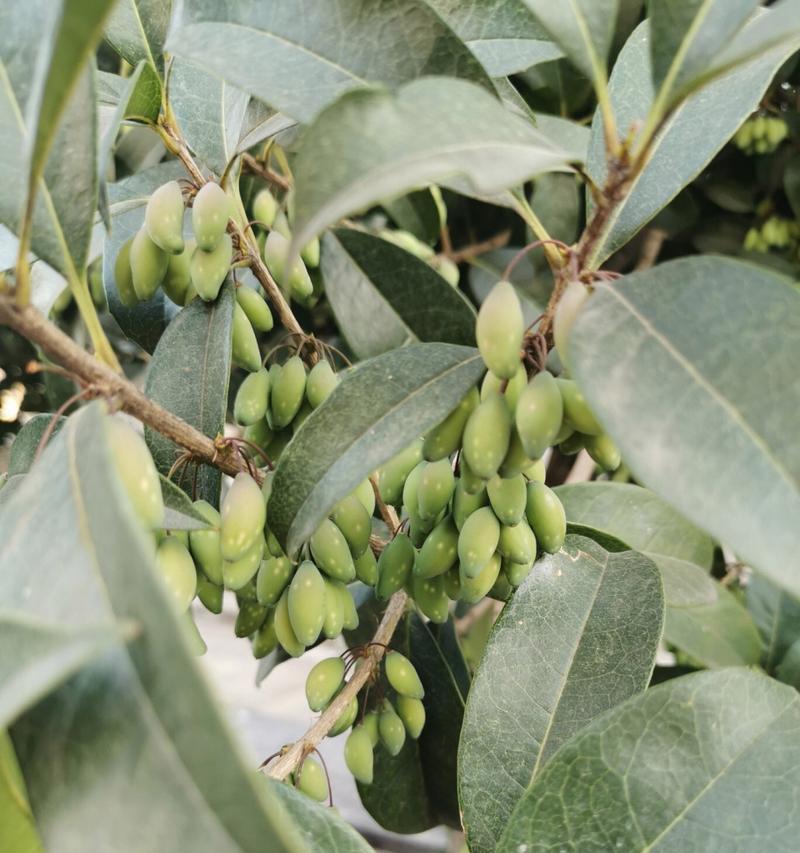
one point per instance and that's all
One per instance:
(777, 615)
(667, 771)
(698, 396)
(788, 670)
(416, 212)
(384, 297)
(26, 444)
(292, 54)
(577, 638)
(17, 826)
(188, 375)
(137, 30)
(377, 410)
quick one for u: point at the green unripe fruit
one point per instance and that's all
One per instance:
(259, 434)
(452, 583)
(265, 207)
(204, 544)
(576, 409)
(346, 719)
(310, 253)
(546, 516)
(136, 470)
(604, 452)
(501, 589)
(354, 521)
(349, 606)
(419, 528)
(333, 621)
(536, 471)
(358, 755)
(517, 543)
(477, 541)
(209, 268)
(402, 676)
(394, 566)
(177, 569)
(181, 535)
(288, 390)
(178, 276)
(238, 573)
(470, 481)
(265, 640)
(123, 278)
(244, 344)
(392, 476)
(249, 619)
(320, 383)
(163, 218)
(210, 594)
(499, 330)
(486, 436)
(513, 387)
(299, 419)
(539, 414)
(366, 494)
(274, 546)
(572, 444)
(243, 515)
(367, 568)
(464, 504)
(296, 279)
(435, 488)
(411, 490)
(332, 553)
(439, 551)
(412, 713)
(255, 307)
(473, 589)
(370, 725)
(516, 459)
(507, 497)
(197, 645)
(211, 210)
(252, 398)
(445, 438)
(431, 598)
(307, 603)
(447, 269)
(148, 265)
(283, 628)
(323, 682)
(391, 729)
(312, 781)
(406, 240)
(564, 433)
(570, 303)
(516, 572)
(274, 575)
(247, 592)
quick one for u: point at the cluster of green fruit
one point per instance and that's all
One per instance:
(761, 134)
(446, 268)
(775, 233)
(388, 724)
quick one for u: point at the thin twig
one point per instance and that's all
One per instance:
(263, 171)
(653, 241)
(466, 253)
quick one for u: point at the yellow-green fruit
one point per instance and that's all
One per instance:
(394, 566)
(501, 589)
(283, 628)
(473, 589)
(358, 755)
(486, 436)
(332, 553)
(323, 682)
(163, 218)
(445, 438)
(310, 253)
(247, 592)
(274, 575)
(353, 520)
(244, 344)
(464, 504)
(135, 467)
(513, 387)
(572, 444)
(516, 572)
(178, 276)
(570, 303)
(435, 488)
(210, 594)
(604, 452)
(366, 494)
(516, 459)
(367, 568)
(288, 390)
(265, 640)
(539, 414)
(123, 278)
(477, 541)
(499, 330)
(412, 713)
(350, 622)
(536, 471)
(204, 544)
(296, 279)
(471, 482)
(406, 240)
(507, 497)
(181, 535)
(237, 573)
(517, 543)
(447, 269)
(419, 528)
(346, 719)
(333, 621)
(391, 729)
(211, 210)
(197, 645)
(177, 569)
(265, 207)
(274, 546)
(252, 398)
(370, 725)
(452, 583)
(411, 489)
(259, 434)
(249, 619)
(402, 676)
(209, 268)
(392, 476)
(243, 515)
(148, 265)
(307, 603)
(431, 598)
(439, 551)
(546, 516)
(255, 307)
(320, 383)
(312, 781)
(576, 409)
(564, 433)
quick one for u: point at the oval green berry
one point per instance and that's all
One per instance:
(265, 640)
(210, 594)
(439, 550)
(539, 414)
(435, 488)
(249, 619)
(367, 568)
(238, 573)
(392, 476)
(499, 330)
(176, 567)
(394, 566)
(570, 303)
(333, 621)
(243, 515)
(402, 676)
(307, 603)
(473, 589)
(346, 718)
(255, 307)
(244, 344)
(252, 398)
(265, 208)
(445, 438)
(391, 729)
(137, 471)
(412, 713)
(477, 541)
(274, 575)
(370, 724)
(354, 521)
(513, 387)
(431, 597)
(163, 218)
(464, 503)
(320, 383)
(204, 544)
(517, 543)
(296, 279)
(312, 781)
(288, 391)
(546, 517)
(178, 276)
(211, 210)
(209, 268)
(516, 572)
(486, 436)
(283, 628)
(148, 265)
(358, 755)
(508, 497)
(470, 481)
(123, 278)
(324, 682)
(332, 553)
(604, 452)
(576, 409)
